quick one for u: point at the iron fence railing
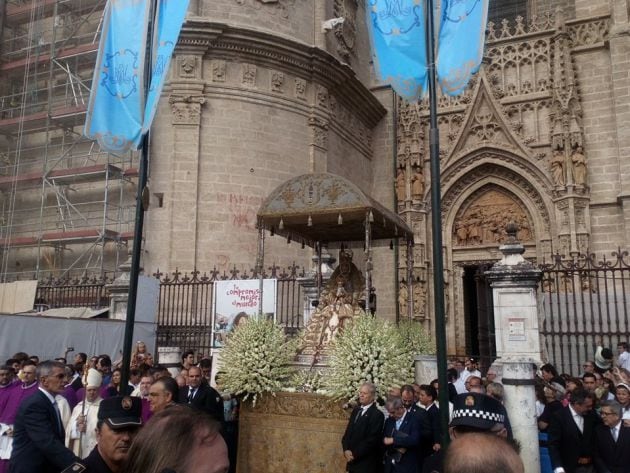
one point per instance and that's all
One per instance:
(186, 304)
(585, 303)
(72, 292)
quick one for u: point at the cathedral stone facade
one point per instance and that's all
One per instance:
(260, 92)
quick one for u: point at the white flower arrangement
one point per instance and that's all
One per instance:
(419, 340)
(371, 350)
(256, 358)
(307, 381)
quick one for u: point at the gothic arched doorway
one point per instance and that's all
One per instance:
(477, 231)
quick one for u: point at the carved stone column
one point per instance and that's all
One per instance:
(318, 148)
(568, 165)
(186, 101)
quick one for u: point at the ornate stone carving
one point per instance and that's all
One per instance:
(590, 33)
(219, 68)
(188, 66)
(419, 299)
(277, 81)
(249, 75)
(401, 185)
(557, 167)
(566, 110)
(578, 161)
(417, 182)
(322, 97)
(403, 299)
(300, 89)
(319, 129)
(273, 7)
(186, 109)
(473, 172)
(345, 32)
(482, 221)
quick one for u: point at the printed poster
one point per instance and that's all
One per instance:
(236, 301)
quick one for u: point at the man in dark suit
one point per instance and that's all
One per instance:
(362, 440)
(428, 395)
(201, 396)
(401, 436)
(571, 434)
(612, 441)
(425, 445)
(38, 436)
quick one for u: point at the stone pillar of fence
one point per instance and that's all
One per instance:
(514, 281)
(119, 292)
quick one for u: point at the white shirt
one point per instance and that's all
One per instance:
(624, 360)
(365, 408)
(614, 431)
(577, 418)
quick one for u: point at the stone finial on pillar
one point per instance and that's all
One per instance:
(514, 282)
(119, 292)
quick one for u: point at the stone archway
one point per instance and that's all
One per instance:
(477, 230)
(476, 208)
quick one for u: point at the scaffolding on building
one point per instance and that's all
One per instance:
(66, 207)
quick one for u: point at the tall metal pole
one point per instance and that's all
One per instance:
(135, 265)
(139, 223)
(436, 228)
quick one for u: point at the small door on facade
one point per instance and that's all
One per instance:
(479, 315)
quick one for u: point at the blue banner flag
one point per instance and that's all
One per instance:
(116, 107)
(397, 33)
(461, 43)
(169, 19)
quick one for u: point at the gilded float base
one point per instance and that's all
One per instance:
(291, 433)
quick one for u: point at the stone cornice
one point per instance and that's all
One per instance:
(309, 62)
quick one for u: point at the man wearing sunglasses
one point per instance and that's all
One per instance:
(38, 437)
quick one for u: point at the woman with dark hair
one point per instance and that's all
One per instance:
(114, 388)
(550, 374)
(178, 440)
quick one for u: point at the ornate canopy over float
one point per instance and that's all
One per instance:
(321, 208)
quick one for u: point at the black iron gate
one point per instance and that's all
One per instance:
(584, 303)
(186, 304)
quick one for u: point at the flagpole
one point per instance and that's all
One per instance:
(436, 228)
(139, 221)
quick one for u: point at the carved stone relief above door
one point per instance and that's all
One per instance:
(482, 219)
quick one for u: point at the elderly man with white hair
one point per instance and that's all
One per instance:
(81, 428)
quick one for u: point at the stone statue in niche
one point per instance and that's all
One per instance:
(401, 185)
(417, 183)
(419, 299)
(338, 305)
(557, 168)
(579, 166)
(403, 299)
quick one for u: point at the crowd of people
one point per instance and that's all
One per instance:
(58, 416)
(584, 422)
(402, 433)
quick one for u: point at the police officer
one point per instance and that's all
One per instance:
(119, 419)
